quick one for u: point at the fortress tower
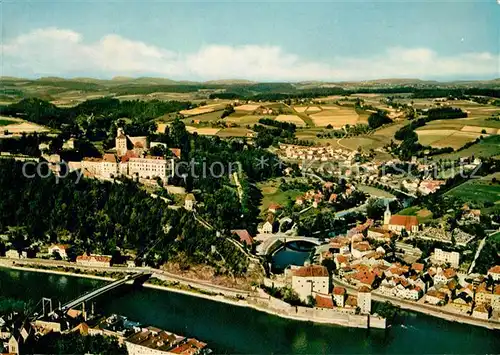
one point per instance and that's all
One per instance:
(121, 142)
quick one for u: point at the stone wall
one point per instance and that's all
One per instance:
(377, 322)
(276, 306)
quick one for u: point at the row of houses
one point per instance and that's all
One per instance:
(313, 282)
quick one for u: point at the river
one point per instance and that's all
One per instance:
(239, 330)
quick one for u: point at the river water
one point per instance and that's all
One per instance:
(239, 330)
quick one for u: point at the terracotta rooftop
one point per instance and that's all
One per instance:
(324, 301)
(176, 152)
(351, 301)
(494, 270)
(339, 290)
(311, 271)
(437, 294)
(98, 258)
(244, 236)
(110, 158)
(449, 273)
(274, 206)
(406, 221)
(364, 289)
(417, 267)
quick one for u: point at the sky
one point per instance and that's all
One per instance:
(262, 41)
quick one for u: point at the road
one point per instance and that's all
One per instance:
(162, 274)
(478, 251)
(435, 311)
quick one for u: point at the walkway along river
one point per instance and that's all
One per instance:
(232, 329)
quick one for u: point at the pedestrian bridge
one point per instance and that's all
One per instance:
(139, 277)
(269, 245)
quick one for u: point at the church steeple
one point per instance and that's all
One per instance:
(387, 215)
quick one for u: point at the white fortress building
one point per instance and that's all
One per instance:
(129, 162)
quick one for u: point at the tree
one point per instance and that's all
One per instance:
(378, 119)
(311, 301)
(375, 209)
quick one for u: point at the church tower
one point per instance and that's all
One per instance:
(121, 142)
(387, 215)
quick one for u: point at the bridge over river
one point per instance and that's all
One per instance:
(139, 277)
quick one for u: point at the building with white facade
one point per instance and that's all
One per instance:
(339, 296)
(364, 300)
(494, 272)
(94, 260)
(308, 280)
(148, 167)
(154, 341)
(60, 249)
(441, 256)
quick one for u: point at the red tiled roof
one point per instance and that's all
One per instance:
(311, 271)
(324, 301)
(406, 221)
(129, 154)
(437, 294)
(176, 152)
(191, 347)
(339, 290)
(274, 206)
(244, 236)
(417, 267)
(333, 198)
(449, 273)
(60, 246)
(341, 258)
(364, 289)
(99, 258)
(365, 277)
(494, 270)
(108, 157)
(362, 246)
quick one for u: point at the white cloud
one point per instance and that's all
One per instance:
(53, 51)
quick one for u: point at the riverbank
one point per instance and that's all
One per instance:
(430, 310)
(251, 300)
(260, 302)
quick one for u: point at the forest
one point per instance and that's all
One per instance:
(102, 217)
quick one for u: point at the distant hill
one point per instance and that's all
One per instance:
(230, 82)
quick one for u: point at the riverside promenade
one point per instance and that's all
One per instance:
(256, 299)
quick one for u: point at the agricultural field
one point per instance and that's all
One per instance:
(441, 138)
(363, 142)
(482, 190)
(373, 191)
(248, 108)
(211, 116)
(161, 127)
(300, 109)
(296, 120)
(423, 215)
(204, 131)
(488, 147)
(202, 109)
(388, 131)
(272, 194)
(245, 119)
(234, 132)
(335, 116)
(17, 126)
